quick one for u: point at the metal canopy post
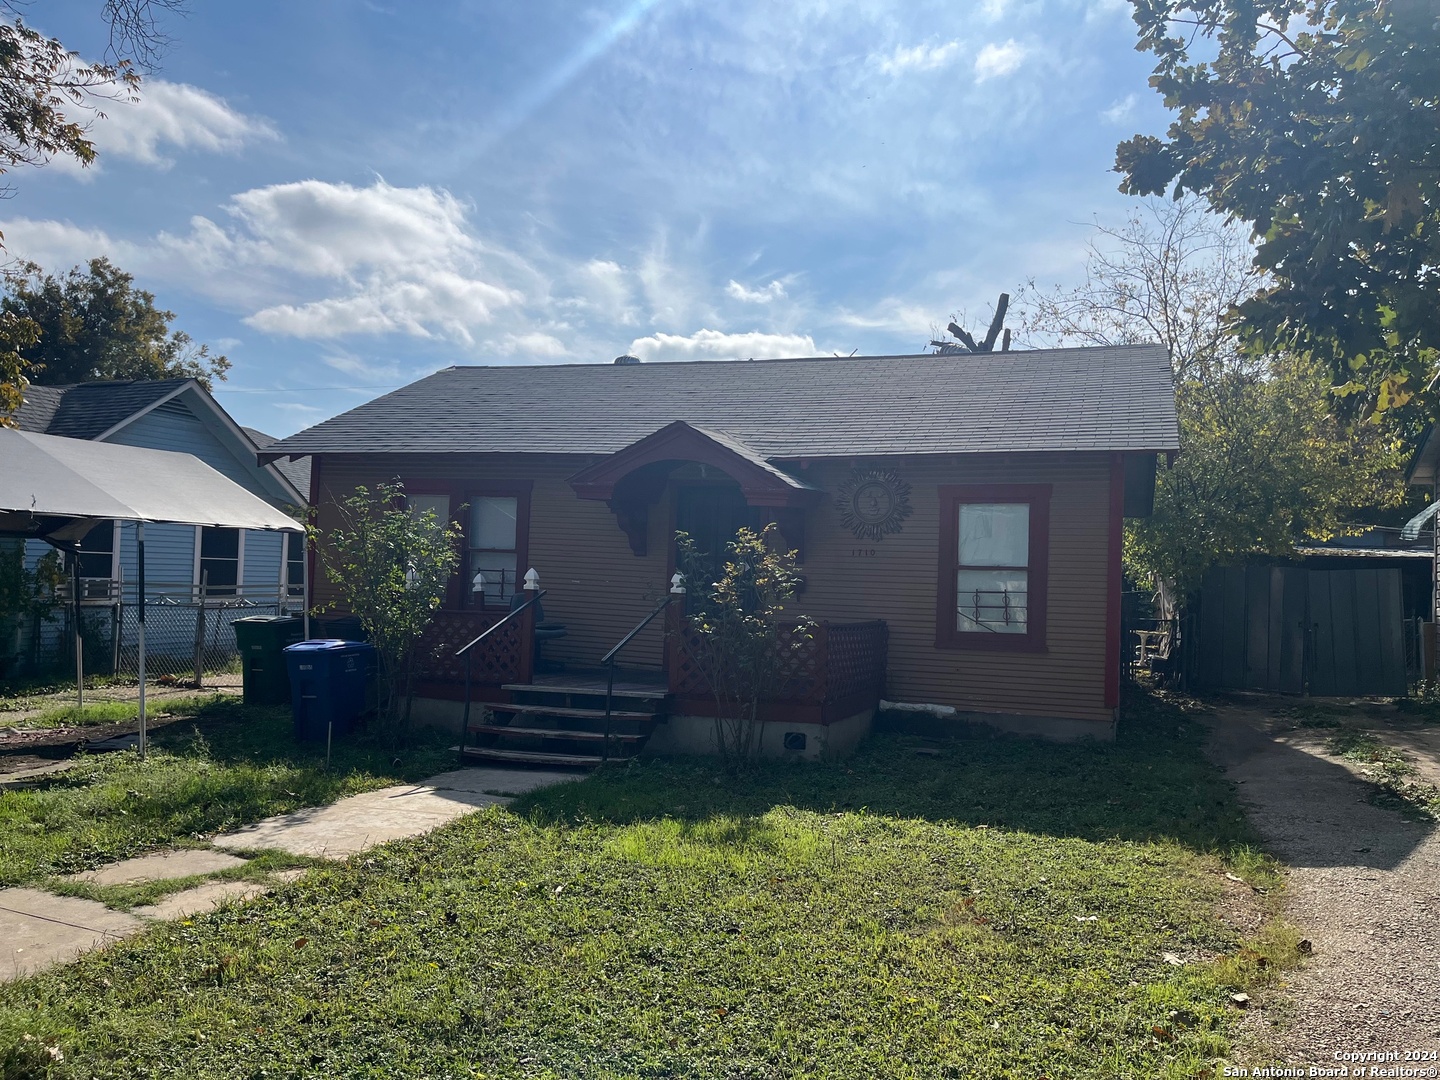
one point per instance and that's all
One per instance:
(79, 639)
(140, 632)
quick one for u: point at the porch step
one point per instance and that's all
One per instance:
(579, 714)
(530, 757)
(556, 734)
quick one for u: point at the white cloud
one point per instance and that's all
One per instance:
(535, 344)
(168, 117)
(991, 10)
(918, 58)
(374, 260)
(716, 345)
(774, 291)
(995, 61)
(425, 302)
(56, 245)
(1121, 111)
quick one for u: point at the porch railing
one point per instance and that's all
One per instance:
(835, 671)
(504, 656)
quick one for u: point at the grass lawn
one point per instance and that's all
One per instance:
(114, 712)
(232, 765)
(999, 909)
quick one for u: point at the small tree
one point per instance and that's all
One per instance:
(734, 634)
(390, 564)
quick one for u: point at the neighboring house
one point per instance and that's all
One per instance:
(179, 415)
(959, 520)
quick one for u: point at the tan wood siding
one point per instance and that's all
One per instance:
(599, 589)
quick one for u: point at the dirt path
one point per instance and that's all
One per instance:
(1364, 886)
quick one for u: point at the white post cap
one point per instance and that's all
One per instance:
(532, 580)
(477, 583)
(677, 583)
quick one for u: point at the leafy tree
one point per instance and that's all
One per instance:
(48, 94)
(734, 633)
(1264, 459)
(390, 565)
(1315, 122)
(16, 334)
(96, 324)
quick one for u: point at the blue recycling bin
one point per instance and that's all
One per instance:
(328, 683)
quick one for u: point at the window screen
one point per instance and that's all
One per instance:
(992, 578)
(492, 547)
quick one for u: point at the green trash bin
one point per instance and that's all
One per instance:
(261, 640)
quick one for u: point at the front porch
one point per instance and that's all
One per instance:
(514, 707)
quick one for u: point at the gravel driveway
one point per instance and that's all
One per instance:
(1364, 886)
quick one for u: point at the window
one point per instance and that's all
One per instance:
(993, 566)
(493, 549)
(295, 565)
(97, 560)
(219, 561)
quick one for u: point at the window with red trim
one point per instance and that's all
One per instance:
(494, 520)
(993, 573)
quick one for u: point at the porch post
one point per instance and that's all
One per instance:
(525, 627)
(674, 630)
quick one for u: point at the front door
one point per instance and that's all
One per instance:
(711, 514)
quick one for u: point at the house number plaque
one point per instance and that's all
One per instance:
(873, 503)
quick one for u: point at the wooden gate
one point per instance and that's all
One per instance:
(1296, 630)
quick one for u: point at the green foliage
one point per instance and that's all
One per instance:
(42, 88)
(17, 335)
(1266, 459)
(1314, 122)
(734, 632)
(24, 593)
(668, 919)
(1264, 463)
(95, 324)
(390, 565)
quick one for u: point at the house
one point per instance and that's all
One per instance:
(958, 520)
(181, 415)
(234, 568)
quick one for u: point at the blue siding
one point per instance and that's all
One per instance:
(173, 426)
(262, 558)
(169, 556)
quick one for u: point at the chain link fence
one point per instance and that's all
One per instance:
(188, 632)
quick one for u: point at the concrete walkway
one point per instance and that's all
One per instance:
(39, 929)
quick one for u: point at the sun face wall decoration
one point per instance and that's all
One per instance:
(873, 503)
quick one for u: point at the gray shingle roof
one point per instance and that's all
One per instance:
(1117, 398)
(85, 410)
(296, 471)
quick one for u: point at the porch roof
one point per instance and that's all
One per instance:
(1113, 398)
(761, 482)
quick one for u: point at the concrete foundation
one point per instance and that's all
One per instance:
(445, 715)
(1051, 728)
(807, 742)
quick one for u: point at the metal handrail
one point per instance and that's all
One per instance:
(609, 661)
(643, 623)
(470, 658)
(509, 615)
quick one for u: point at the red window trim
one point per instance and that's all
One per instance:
(461, 492)
(952, 496)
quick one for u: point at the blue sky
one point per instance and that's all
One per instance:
(345, 196)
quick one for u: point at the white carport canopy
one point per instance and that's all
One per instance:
(58, 489)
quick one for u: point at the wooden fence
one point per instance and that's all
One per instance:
(1297, 630)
